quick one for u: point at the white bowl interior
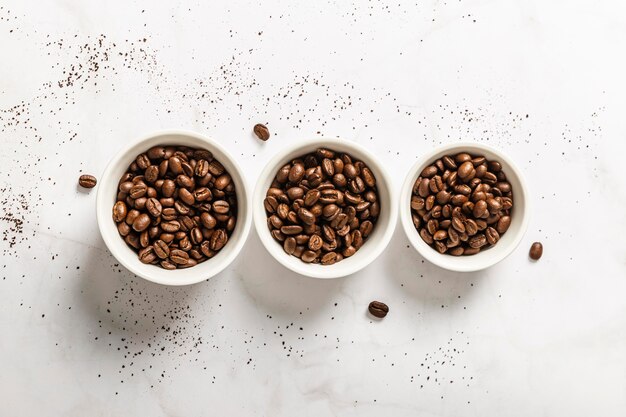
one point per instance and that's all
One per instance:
(377, 240)
(107, 191)
(508, 241)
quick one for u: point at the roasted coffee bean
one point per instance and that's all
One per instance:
(87, 181)
(119, 211)
(179, 257)
(221, 207)
(536, 251)
(138, 190)
(161, 249)
(147, 255)
(153, 206)
(478, 241)
(123, 229)
(261, 131)
(503, 224)
(141, 223)
(378, 309)
(464, 200)
(492, 235)
(320, 199)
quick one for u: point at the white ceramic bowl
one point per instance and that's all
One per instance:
(519, 215)
(107, 191)
(375, 243)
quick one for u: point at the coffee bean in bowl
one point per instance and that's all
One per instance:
(462, 203)
(173, 209)
(324, 208)
(464, 206)
(176, 206)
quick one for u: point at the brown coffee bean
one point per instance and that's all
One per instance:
(480, 209)
(536, 251)
(503, 224)
(378, 309)
(292, 229)
(222, 181)
(221, 207)
(429, 171)
(154, 207)
(120, 211)
(261, 131)
(138, 190)
(471, 227)
(440, 235)
(477, 241)
(87, 181)
(296, 173)
(179, 257)
(218, 239)
(289, 245)
(466, 171)
(492, 235)
(329, 258)
(161, 249)
(147, 255)
(141, 223)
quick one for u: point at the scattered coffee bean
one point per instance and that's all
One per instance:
(176, 206)
(87, 181)
(462, 204)
(261, 131)
(536, 250)
(378, 309)
(321, 207)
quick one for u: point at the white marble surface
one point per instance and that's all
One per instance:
(543, 80)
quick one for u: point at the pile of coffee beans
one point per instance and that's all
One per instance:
(462, 204)
(323, 206)
(176, 206)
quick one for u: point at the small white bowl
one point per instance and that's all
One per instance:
(375, 243)
(519, 215)
(107, 192)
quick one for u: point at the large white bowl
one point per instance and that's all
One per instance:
(519, 215)
(375, 243)
(107, 192)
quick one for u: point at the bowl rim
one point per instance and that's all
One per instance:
(449, 262)
(260, 217)
(244, 217)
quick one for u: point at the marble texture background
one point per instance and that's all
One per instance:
(541, 80)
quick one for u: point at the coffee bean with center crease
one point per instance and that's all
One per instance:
(165, 209)
(261, 131)
(378, 309)
(318, 201)
(87, 181)
(461, 204)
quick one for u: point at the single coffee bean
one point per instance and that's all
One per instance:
(329, 258)
(378, 309)
(221, 207)
(492, 236)
(218, 239)
(119, 211)
(161, 249)
(179, 257)
(261, 131)
(478, 241)
(536, 251)
(153, 206)
(141, 223)
(503, 224)
(147, 255)
(87, 181)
